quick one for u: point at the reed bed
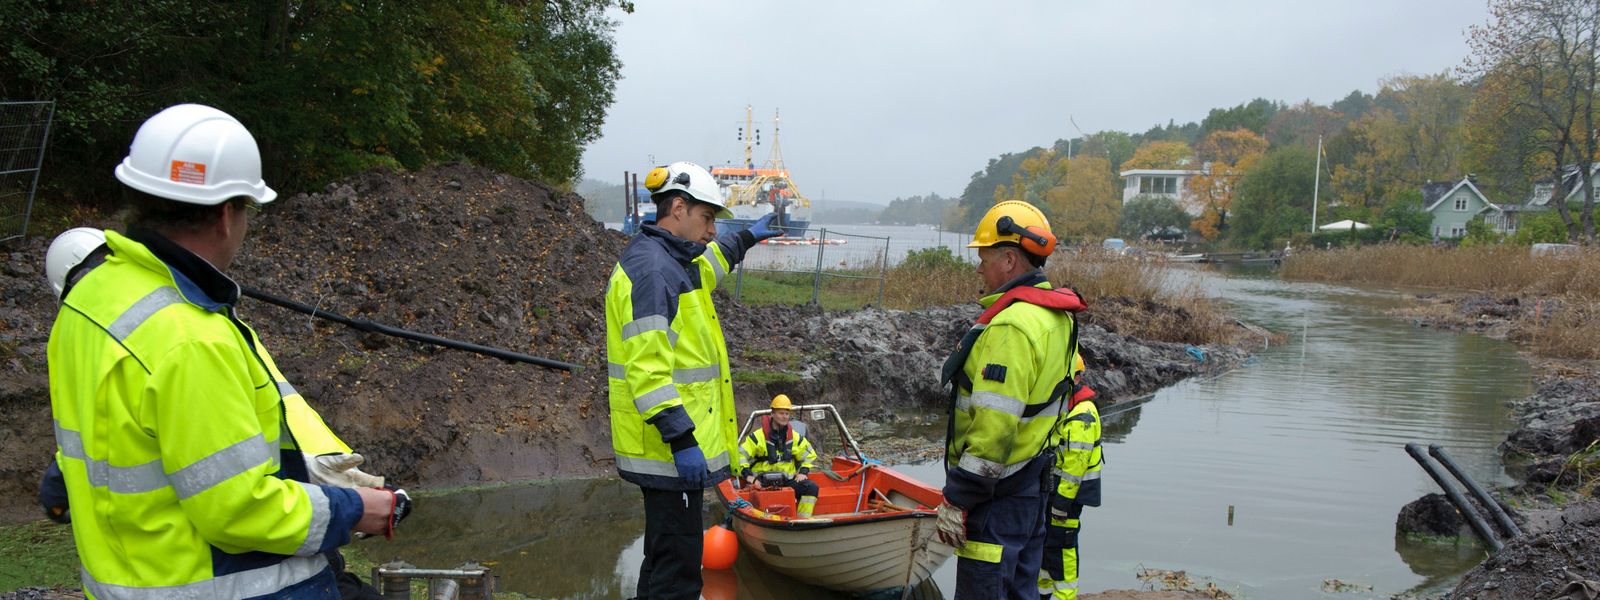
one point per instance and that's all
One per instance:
(1559, 295)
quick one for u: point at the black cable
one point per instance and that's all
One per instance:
(369, 326)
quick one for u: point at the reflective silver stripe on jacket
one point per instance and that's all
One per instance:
(285, 389)
(716, 263)
(220, 466)
(989, 468)
(319, 520)
(665, 468)
(1081, 446)
(992, 401)
(142, 310)
(244, 584)
(679, 376)
(1065, 476)
(148, 477)
(650, 399)
(650, 323)
(696, 375)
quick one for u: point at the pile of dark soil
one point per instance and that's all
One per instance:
(1539, 565)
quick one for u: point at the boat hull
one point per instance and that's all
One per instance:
(889, 541)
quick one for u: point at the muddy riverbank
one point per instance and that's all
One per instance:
(1552, 452)
(465, 253)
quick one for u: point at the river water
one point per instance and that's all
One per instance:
(1304, 444)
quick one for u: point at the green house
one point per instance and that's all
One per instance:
(1453, 205)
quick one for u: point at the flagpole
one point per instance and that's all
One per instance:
(1316, 186)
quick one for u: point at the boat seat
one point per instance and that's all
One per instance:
(777, 502)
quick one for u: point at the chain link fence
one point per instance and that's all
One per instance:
(834, 266)
(24, 131)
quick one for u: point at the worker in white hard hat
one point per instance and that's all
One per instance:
(186, 477)
(672, 417)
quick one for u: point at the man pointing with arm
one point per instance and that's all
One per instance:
(672, 416)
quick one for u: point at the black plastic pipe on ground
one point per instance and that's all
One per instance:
(1507, 526)
(364, 325)
(1474, 519)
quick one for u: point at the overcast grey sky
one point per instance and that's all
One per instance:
(889, 99)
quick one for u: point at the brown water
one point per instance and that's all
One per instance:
(1305, 443)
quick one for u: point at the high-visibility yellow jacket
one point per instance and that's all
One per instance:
(793, 454)
(1078, 458)
(1008, 397)
(666, 357)
(172, 436)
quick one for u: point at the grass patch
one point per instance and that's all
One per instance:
(37, 554)
(789, 359)
(760, 376)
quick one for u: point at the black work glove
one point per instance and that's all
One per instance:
(53, 494)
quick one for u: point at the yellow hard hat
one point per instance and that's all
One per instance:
(782, 401)
(1017, 222)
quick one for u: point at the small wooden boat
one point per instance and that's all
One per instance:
(872, 529)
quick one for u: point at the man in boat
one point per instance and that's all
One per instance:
(1010, 387)
(1076, 485)
(171, 429)
(672, 417)
(775, 447)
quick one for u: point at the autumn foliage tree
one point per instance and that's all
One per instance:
(1079, 196)
(1226, 156)
(1160, 155)
(1540, 62)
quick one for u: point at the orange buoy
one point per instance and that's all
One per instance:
(721, 548)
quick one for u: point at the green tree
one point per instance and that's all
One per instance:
(326, 87)
(1144, 214)
(1274, 198)
(1403, 217)
(1540, 228)
(979, 194)
(1115, 146)
(1254, 116)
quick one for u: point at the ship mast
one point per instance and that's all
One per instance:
(775, 161)
(748, 135)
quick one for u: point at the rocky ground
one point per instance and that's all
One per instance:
(465, 253)
(1553, 452)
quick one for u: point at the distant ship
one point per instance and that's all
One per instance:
(753, 193)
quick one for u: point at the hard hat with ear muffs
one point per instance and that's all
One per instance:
(691, 179)
(1016, 222)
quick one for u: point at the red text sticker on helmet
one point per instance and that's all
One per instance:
(188, 172)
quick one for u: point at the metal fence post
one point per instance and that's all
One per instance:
(16, 149)
(816, 277)
(738, 281)
(883, 270)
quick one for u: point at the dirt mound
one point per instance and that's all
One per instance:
(1539, 565)
(455, 251)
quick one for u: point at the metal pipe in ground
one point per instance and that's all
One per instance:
(1507, 526)
(1479, 526)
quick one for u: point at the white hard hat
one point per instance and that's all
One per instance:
(66, 251)
(691, 179)
(195, 154)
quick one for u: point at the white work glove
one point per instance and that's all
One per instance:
(952, 524)
(339, 470)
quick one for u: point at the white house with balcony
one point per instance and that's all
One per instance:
(1162, 183)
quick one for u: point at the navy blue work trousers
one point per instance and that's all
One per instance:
(1016, 522)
